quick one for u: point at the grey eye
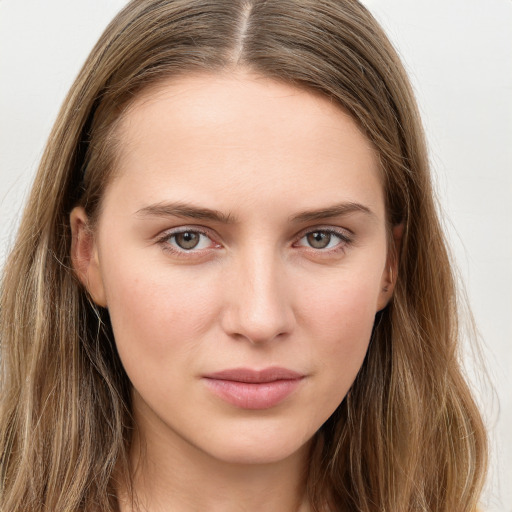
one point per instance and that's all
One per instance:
(187, 240)
(319, 239)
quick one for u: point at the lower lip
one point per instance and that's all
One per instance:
(253, 395)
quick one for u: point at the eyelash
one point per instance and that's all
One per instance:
(344, 238)
(165, 240)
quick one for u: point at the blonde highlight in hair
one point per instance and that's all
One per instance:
(408, 436)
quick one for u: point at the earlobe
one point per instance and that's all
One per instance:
(387, 287)
(390, 274)
(84, 256)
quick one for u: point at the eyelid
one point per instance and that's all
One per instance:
(337, 230)
(163, 240)
(345, 235)
(345, 239)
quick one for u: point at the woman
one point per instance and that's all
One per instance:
(230, 276)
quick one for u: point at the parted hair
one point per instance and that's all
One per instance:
(407, 437)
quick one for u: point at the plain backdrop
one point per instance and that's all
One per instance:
(459, 57)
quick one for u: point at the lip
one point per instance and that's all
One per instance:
(253, 389)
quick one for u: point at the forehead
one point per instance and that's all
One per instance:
(244, 134)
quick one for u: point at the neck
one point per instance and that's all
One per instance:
(175, 475)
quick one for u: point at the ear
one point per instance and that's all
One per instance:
(390, 274)
(84, 256)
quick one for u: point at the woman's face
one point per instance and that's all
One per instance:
(241, 252)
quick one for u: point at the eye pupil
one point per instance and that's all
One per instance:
(319, 239)
(187, 239)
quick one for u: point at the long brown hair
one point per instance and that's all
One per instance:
(408, 436)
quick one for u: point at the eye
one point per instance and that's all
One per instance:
(323, 239)
(187, 240)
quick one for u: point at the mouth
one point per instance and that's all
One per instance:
(246, 388)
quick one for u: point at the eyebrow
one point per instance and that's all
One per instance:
(332, 211)
(186, 211)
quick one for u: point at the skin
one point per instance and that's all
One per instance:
(254, 292)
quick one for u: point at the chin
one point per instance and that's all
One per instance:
(263, 447)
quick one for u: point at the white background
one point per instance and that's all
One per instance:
(459, 57)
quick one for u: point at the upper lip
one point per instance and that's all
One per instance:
(250, 375)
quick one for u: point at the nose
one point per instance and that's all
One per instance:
(259, 302)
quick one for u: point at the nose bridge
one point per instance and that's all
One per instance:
(260, 307)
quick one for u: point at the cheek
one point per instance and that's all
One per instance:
(344, 306)
(346, 340)
(157, 317)
(341, 324)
